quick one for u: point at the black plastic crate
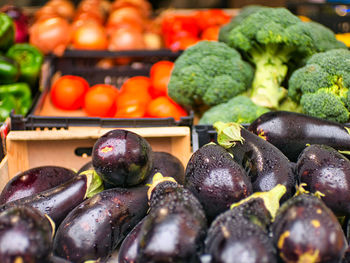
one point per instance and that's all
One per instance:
(82, 63)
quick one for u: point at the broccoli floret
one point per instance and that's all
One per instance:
(236, 20)
(322, 85)
(208, 73)
(239, 109)
(273, 39)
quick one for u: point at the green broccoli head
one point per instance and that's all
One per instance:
(236, 20)
(273, 39)
(322, 85)
(208, 73)
(239, 109)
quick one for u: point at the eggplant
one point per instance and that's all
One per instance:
(266, 165)
(175, 226)
(216, 179)
(291, 132)
(57, 202)
(127, 252)
(168, 165)
(322, 168)
(54, 259)
(34, 181)
(95, 228)
(306, 230)
(88, 167)
(122, 158)
(241, 234)
(25, 235)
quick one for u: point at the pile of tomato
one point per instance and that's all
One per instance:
(183, 30)
(138, 97)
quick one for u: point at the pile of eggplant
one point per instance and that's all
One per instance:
(276, 191)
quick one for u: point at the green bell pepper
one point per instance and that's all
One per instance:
(9, 70)
(15, 96)
(7, 32)
(30, 60)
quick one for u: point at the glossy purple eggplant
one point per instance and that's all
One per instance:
(127, 252)
(25, 235)
(324, 169)
(216, 179)
(122, 158)
(306, 230)
(57, 202)
(175, 226)
(168, 165)
(34, 181)
(266, 165)
(95, 228)
(291, 132)
(241, 234)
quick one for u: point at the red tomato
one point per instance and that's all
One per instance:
(183, 43)
(211, 17)
(100, 100)
(211, 33)
(132, 105)
(68, 92)
(136, 84)
(163, 107)
(160, 75)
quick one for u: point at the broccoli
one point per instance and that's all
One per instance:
(239, 109)
(236, 20)
(208, 73)
(274, 39)
(322, 85)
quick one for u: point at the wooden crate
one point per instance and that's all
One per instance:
(28, 149)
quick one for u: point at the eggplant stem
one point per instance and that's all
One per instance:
(271, 199)
(228, 133)
(157, 179)
(94, 183)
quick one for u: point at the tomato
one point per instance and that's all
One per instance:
(131, 104)
(68, 92)
(211, 17)
(100, 100)
(136, 84)
(211, 33)
(90, 36)
(183, 43)
(160, 75)
(163, 107)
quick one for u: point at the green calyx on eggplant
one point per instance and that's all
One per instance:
(25, 235)
(174, 228)
(58, 201)
(216, 179)
(33, 181)
(266, 165)
(122, 158)
(291, 132)
(322, 168)
(93, 230)
(168, 165)
(242, 232)
(306, 230)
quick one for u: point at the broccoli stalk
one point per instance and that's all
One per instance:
(270, 71)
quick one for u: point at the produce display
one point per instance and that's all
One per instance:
(137, 96)
(231, 202)
(120, 25)
(287, 64)
(20, 66)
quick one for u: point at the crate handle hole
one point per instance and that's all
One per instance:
(83, 151)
